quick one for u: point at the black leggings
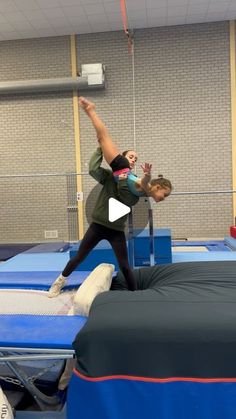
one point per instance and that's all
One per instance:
(92, 237)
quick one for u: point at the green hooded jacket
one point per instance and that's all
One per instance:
(110, 189)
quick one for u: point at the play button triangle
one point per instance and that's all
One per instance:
(116, 210)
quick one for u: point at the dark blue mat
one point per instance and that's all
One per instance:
(7, 251)
(49, 332)
(40, 415)
(49, 247)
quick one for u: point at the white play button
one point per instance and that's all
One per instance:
(116, 210)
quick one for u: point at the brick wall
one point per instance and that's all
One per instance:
(182, 116)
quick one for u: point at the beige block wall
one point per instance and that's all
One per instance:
(36, 137)
(182, 125)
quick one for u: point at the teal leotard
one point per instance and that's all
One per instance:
(131, 181)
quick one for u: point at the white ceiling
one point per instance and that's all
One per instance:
(41, 18)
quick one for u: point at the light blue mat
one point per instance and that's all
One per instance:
(55, 262)
(37, 271)
(231, 242)
(202, 256)
(31, 262)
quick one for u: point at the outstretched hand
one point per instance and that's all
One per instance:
(146, 168)
(86, 104)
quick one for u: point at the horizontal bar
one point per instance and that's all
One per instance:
(205, 192)
(43, 174)
(33, 357)
(36, 350)
(230, 191)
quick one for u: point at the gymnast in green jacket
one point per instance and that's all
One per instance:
(120, 184)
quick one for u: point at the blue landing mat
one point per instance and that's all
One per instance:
(46, 332)
(39, 280)
(102, 253)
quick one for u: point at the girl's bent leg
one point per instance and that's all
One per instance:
(118, 243)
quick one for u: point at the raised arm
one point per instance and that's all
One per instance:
(146, 167)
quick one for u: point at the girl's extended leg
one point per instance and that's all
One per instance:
(89, 241)
(109, 149)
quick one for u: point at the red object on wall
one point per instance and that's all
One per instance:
(233, 231)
